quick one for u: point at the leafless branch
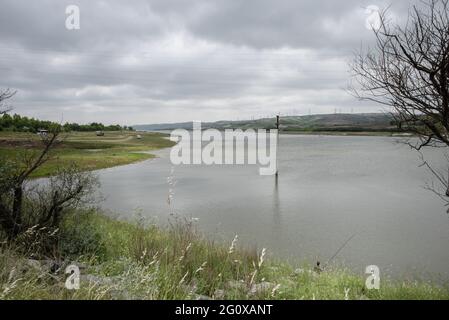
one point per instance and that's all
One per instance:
(5, 95)
(407, 71)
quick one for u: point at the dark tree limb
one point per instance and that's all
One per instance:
(407, 71)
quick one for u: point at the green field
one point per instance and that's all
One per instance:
(86, 149)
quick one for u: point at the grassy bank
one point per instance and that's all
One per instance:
(87, 150)
(121, 260)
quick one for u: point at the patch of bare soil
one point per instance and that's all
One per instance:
(23, 143)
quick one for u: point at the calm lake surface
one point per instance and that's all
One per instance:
(329, 188)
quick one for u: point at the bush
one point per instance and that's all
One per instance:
(79, 236)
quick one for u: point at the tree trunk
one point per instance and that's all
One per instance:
(17, 208)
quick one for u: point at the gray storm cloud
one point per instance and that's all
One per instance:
(168, 61)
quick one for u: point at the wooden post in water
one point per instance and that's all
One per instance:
(277, 145)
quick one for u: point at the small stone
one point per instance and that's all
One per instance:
(219, 294)
(34, 264)
(261, 287)
(299, 271)
(202, 297)
(238, 285)
(45, 266)
(97, 280)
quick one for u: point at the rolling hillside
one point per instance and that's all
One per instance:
(322, 122)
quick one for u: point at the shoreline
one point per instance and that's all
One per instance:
(318, 133)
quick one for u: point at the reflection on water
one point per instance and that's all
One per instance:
(277, 213)
(329, 188)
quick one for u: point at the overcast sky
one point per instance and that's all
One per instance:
(135, 62)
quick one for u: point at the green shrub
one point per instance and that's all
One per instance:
(79, 236)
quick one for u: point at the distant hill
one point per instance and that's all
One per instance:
(319, 122)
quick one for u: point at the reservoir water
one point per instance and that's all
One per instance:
(329, 188)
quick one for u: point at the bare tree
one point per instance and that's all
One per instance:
(5, 95)
(408, 71)
(42, 206)
(14, 177)
(69, 188)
